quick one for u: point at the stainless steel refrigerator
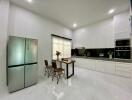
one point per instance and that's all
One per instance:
(22, 55)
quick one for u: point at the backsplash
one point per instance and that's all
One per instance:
(102, 52)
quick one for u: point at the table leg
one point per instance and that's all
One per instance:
(60, 64)
(67, 71)
(73, 68)
(67, 74)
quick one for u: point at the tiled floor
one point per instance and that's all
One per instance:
(85, 85)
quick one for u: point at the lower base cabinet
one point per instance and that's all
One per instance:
(100, 65)
(124, 69)
(111, 67)
(105, 66)
(85, 63)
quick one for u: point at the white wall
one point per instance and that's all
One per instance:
(24, 23)
(4, 10)
(98, 35)
(20, 22)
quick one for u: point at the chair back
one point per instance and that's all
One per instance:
(46, 63)
(54, 65)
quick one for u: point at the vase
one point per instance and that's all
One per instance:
(57, 57)
(110, 56)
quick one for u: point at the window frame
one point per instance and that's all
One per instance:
(52, 35)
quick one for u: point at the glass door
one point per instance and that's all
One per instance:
(30, 75)
(16, 50)
(31, 51)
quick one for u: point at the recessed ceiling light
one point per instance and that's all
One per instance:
(111, 11)
(30, 1)
(74, 25)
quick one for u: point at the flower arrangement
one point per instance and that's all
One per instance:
(58, 54)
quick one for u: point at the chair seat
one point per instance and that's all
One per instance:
(60, 73)
(49, 66)
(59, 69)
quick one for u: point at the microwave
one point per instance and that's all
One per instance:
(125, 42)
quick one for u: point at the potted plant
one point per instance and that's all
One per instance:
(58, 54)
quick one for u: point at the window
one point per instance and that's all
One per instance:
(62, 45)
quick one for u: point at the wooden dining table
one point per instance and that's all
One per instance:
(67, 62)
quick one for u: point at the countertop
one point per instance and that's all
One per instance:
(105, 59)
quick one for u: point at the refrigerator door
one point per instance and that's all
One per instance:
(15, 78)
(31, 51)
(30, 75)
(16, 50)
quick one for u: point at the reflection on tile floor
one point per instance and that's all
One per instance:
(85, 85)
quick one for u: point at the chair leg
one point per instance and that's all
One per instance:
(53, 76)
(64, 74)
(48, 72)
(45, 71)
(58, 79)
(51, 71)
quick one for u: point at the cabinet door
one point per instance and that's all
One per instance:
(31, 51)
(16, 50)
(90, 64)
(15, 78)
(109, 67)
(100, 66)
(79, 62)
(123, 69)
(122, 23)
(30, 75)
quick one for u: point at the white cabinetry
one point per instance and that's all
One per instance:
(124, 69)
(99, 35)
(105, 66)
(111, 67)
(122, 27)
(85, 63)
(100, 65)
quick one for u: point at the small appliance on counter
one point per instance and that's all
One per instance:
(101, 54)
(78, 51)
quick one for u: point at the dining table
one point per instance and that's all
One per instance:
(67, 63)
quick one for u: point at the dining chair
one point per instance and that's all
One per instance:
(57, 72)
(48, 68)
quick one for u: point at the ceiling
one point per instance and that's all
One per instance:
(67, 12)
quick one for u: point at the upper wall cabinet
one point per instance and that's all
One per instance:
(122, 27)
(99, 35)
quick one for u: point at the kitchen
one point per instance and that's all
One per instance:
(65, 50)
(107, 46)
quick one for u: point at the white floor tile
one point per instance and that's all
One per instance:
(85, 85)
